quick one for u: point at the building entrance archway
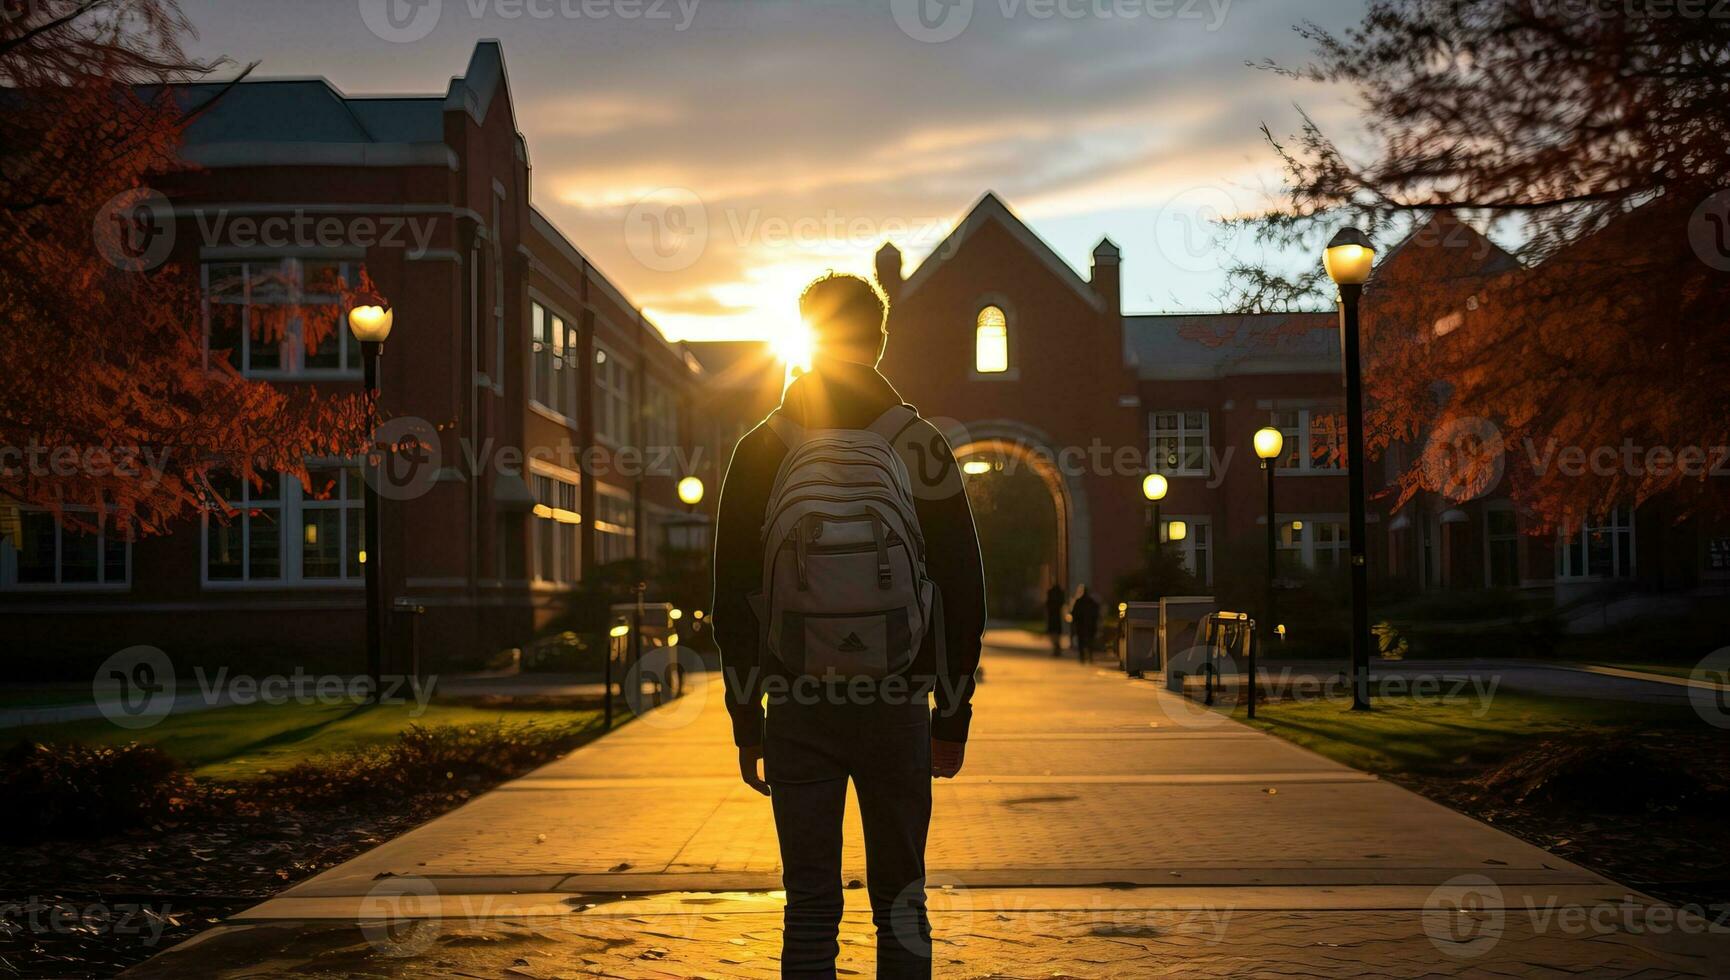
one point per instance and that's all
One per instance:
(1025, 448)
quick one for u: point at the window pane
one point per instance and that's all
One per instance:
(1194, 452)
(327, 355)
(992, 354)
(1599, 553)
(1326, 441)
(324, 482)
(113, 557)
(321, 543)
(264, 544)
(265, 353)
(78, 556)
(991, 341)
(269, 487)
(36, 550)
(223, 557)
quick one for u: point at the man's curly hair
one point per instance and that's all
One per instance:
(847, 316)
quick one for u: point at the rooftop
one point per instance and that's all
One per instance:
(1182, 346)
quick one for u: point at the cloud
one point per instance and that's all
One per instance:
(812, 131)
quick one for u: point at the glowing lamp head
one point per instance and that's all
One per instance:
(976, 467)
(1176, 531)
(1154, 487)
(370, 324)
(1269, 443)
(1349, 257)
(690, 491)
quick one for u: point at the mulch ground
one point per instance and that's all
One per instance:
(94, 908)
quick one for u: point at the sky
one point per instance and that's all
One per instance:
(712, 156)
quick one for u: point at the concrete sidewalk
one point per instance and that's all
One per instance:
(1102, 827)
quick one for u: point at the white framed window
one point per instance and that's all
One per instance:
(285, 534)
(1305, 543)
(41, 553)
(660, 416)
(1600, 549)
(615, 384)
(1197, 548)
(991, 341)
(553, 354)
(331, 522)
(253, 311)
(1178, 443)
(615, 525)
(1315, 439)
(558, 554)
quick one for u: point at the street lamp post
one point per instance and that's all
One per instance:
(1269, 443)
(1154, 488)
(371, 325)
(1348, 260)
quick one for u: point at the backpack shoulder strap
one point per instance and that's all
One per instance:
(893, 422)
(785, 429)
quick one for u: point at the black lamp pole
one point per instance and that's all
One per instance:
(369, 354)
(1267, 626)
(1350, 295)
(1158, 536)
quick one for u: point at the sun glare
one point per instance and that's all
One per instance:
(792, 346)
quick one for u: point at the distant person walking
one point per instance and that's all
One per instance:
(1054, 603)
(848, 590)
(1083, 623)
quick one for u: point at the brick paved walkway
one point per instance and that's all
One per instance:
(1102, 827)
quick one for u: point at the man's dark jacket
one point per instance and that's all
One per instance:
(848, 396)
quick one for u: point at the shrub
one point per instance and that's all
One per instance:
(444, 758)
(71, 790)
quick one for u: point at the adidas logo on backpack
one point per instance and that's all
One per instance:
(845, 591)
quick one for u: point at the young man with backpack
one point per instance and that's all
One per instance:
(849, 595)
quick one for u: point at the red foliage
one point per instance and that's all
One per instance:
(1596, 137)
(110, 409)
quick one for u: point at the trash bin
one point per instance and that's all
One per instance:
(1138, 638)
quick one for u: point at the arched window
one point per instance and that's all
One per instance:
(991, 342)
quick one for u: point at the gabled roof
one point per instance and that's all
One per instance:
(1446, 228)
(1191, 346)
(992, 210)
(313, 111)
(304, 110)
(475, 88)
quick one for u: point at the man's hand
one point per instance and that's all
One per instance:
(749, 758)
(946, 758)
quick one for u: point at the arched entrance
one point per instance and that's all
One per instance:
(1022, 449)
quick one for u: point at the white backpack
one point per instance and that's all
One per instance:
(845, 592)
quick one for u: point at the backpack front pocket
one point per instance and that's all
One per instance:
(873, 644)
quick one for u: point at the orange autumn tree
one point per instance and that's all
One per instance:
(111, 410)
(1595, 140)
